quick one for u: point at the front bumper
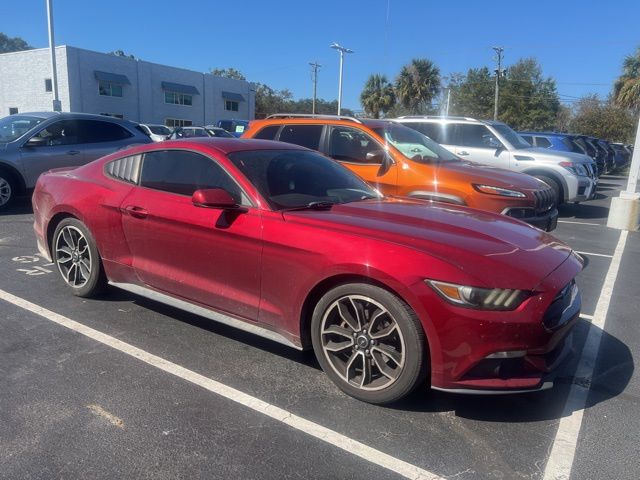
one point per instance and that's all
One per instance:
(506, 352)
(581, 189)
(546, 221)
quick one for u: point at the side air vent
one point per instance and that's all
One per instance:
(126, 169)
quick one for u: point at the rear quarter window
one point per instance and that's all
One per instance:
(126, 169)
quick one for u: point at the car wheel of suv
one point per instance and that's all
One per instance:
(369, 342)
(553, 183)
(75, 253)
(7, 189)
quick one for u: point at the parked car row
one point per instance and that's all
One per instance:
(608, 156)
(385, 268)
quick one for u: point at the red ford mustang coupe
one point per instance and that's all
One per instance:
(283, 242)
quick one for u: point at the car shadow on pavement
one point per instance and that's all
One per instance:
(583, 211)
(614, 369)
(306, 358)
(20, 206)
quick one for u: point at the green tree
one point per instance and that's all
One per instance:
(15, 44)
(472, 94)
(377, 96)
(626, 90)
(603, 119)
(528, 101)
(417, 84)
(228, 73)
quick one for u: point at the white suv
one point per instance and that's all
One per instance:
(571, 175)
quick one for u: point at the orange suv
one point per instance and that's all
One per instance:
(401, 161)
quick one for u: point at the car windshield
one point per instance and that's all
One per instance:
(159, 129)
(511, 136)
(290, 179)
(413, 144)
(14, 126)
(219, 132)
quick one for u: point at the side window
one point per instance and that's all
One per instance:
(528, 138)
(268, 133)
(477, 136)
(351, 145)
(183, 172)
(63, 132)
(303, 135)
(542, 142)
(435, 131)
(95, 131)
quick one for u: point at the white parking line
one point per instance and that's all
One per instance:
(581, 223)
(325, 434)
(586, 317)
(594, 254)
(565, 443)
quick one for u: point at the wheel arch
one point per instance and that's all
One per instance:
(15, 173)
(322, 287)
(564, 188)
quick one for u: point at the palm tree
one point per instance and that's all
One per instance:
(377, 95)
(417, 84)
(626, 90)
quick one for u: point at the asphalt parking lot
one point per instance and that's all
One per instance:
(150, 398)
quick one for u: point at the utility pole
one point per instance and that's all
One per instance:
(446, 112)
(342, 51)
(52, 49)
(499, 72)
(314, 76)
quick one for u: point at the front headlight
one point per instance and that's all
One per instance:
(575, 168)
(503, 192)
(479, 298)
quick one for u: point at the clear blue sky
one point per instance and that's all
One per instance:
(580, 43)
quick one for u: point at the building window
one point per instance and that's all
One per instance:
(231, 105)
(47, 85)
(177, 98)
(109, 89)
(115, 115)
(13, 110)
(177, 122)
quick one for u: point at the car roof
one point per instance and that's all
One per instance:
(78, 115)
(226, 145)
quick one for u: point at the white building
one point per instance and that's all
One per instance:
(93, 82)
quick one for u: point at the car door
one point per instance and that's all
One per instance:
(206, 255)
(100, 138)
(59, 145)
(364, 156)
(476, 143)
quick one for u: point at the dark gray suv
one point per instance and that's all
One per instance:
(32, 143)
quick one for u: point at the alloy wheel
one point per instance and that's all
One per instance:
(362, 342)
(5, 191)
(73, 256)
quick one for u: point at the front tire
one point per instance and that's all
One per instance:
(8, 189)
(75, 254)
(369, 342)
(555, 186)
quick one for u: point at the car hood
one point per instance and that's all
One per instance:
(494, 176)
(546, 154)
(494, 250)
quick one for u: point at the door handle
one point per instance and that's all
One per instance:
(136, 212)
(463, 152)
(73, 152)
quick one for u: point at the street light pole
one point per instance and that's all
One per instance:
(342, 51)
(52, 50)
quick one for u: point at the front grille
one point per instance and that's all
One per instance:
(545, 199)
(565, 306)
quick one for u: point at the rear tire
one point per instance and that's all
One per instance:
(75, 253)
(369, 342)
(553, 183)
(8, 189)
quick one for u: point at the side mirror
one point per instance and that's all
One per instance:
(36, 142)
(213, 198)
